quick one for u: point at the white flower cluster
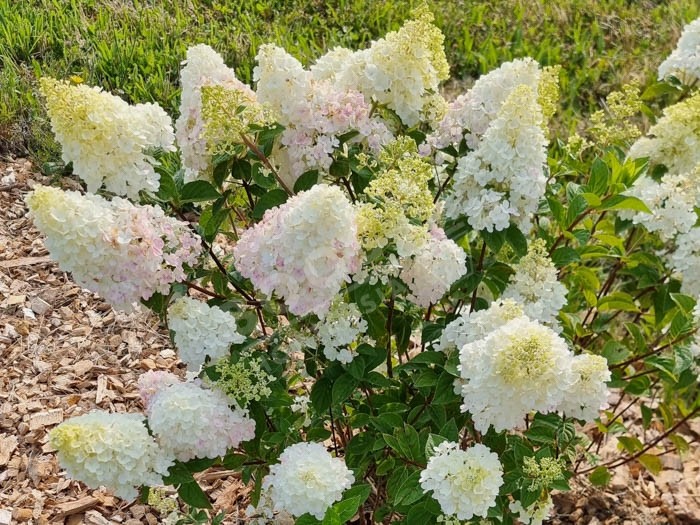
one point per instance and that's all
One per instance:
(520, 367)
(340, 328)
(121, 251)
(107, 140)
(535, 285)
(464, 482)
(307, 479)
(588, 394)
(314, 112)
(472, 326)
(402, 70)
(304, 249)
(535, 514)
(672, 203)
(203, 67)
(503, 179)
(686, 261)
(524, 366)
(674, 140)
(437, 264)
(201, 330)
(684, 62)
(113, 450)
(301, 406)
(192, 422)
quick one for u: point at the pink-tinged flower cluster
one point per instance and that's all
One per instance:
(121, 251)
(314, 112)
(304, 250)
(190, 421)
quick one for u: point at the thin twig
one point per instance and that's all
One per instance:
(254, 148)
(204, 290)
(619, 462)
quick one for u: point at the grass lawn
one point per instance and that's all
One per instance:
(134, 48)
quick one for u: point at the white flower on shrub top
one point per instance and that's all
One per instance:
(402, 70)
(203, 67)
(470, 114)
(192, 422)
(315, 117)
(304, 250)
(535, 514)
(430, 273)
(464, 482)
(535, 286)
(674, 140)
(121, 251)
(672, 203)
(340, 328)
(684, 62)
(201, 330)
(588, 394)
(518, 368)
(503, 179)
(105, 138)
(472, 326)
(111, 450)
(307, 479)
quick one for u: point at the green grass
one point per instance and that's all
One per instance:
(134, 48)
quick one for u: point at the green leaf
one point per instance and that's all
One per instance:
(423, 512)
(623, 202)
(167, 190)
(366, 296)
(321, 395)
(343, 387)
(404, 486)
(178, 474)
(565, 255)
(269, 200)
(516, 239)
(658, 89)
(600, 177)
(433, 441)
(651, 463)
(617, 301)
(306, 181)
(340, 168)
(600, 477)
(192, 494)
(197, 191)
(630, 444)
(494, 240)
(306, 519)
(576, 207)
(331, 517)
(347, 508)
(361, 492)
(444, 389)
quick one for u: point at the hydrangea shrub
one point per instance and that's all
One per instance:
(393, 308)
